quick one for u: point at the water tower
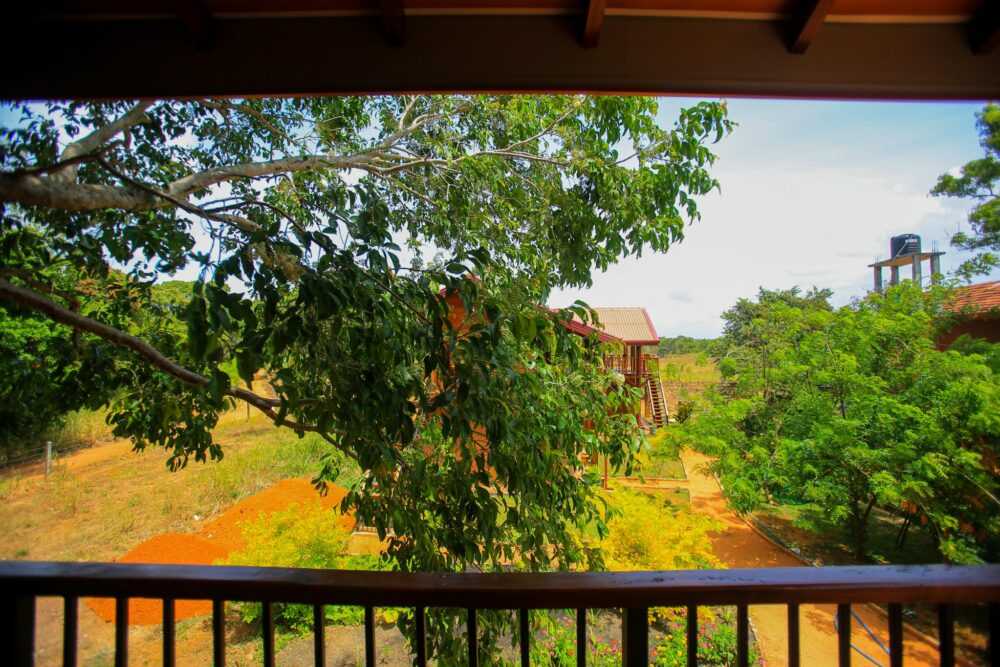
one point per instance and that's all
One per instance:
(904, 250)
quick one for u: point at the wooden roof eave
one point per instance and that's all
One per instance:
(887, 49)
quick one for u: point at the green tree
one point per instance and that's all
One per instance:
(293, 212)
(856, 408)
(683, 345)
(980, 182)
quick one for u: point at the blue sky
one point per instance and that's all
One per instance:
(811, 193)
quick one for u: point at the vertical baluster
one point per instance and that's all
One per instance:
(121, 632)
(169, 633)
(219, 632)
(267, 629)
(692, 635)
(635, 638)
(369, 636)
(473, 630)
(946, 635)
(793, 635)
(70, 616)
(895, 635)
(420, 636)
(17, 629)
(319, 635)
(994, 645)
(742, 636)
(844, 635)
(581, 638)
(524, 620)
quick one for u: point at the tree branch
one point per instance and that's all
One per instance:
(57, 313)
(99, 137)
(250, 111)
(232, 220)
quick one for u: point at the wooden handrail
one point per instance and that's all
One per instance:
(908, 584)
(21, 583)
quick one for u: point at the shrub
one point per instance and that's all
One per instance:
(648, 533)
(301, 536)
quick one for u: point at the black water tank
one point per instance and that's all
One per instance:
(904, 244)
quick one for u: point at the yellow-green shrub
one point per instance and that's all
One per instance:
(648, 533)
(301, 536)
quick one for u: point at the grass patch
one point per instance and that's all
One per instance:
(662, 460)
(99, 511)
(828, 543)
(82, 429)
(662, 467)
(693, 367)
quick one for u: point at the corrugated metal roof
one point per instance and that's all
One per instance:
(632, 326)
(981, 298)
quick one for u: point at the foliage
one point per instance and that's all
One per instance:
(716, 642)
(979, 181)
(685, 410)
(990, 352)
(647, 533)
(294, 214)
(683, 345)
(851, 408)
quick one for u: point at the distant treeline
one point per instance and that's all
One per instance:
(683, 345)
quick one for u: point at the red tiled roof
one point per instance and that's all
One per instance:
(977, 300)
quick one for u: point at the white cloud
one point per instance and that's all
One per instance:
(785, 219)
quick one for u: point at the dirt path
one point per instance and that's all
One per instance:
(738, 545)
(32, 473)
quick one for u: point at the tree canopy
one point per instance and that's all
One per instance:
(979, 180)
(852, 408)
(308, 223)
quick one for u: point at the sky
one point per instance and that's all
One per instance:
(811, 193)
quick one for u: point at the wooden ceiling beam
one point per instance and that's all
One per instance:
(392, 21)
(198, 22)
(595, 22)
(984, 29)
(809, 19)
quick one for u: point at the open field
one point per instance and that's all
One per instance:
(686, 375)
(102, 502)
(688, 368)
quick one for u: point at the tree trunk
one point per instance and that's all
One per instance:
(859, 525)
(903, 532)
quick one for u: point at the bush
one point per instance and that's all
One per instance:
(301, 536)
(648, 533)
(685, 409)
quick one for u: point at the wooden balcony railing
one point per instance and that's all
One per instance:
(633, 592)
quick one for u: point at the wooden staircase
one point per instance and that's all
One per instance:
(656, 401)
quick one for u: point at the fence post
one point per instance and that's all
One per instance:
(48, 458)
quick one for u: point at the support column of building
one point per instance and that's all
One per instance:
(893, 275)
(935, 268)
(917, 277)
(878, 279)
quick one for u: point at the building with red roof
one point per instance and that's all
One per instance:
(975, 310)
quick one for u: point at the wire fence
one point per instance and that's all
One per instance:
(37, 454)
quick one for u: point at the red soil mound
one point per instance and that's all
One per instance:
(217, 539)
(171, 549)
(225, 529)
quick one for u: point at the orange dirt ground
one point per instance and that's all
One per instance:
(217, 539)
(738, 545)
